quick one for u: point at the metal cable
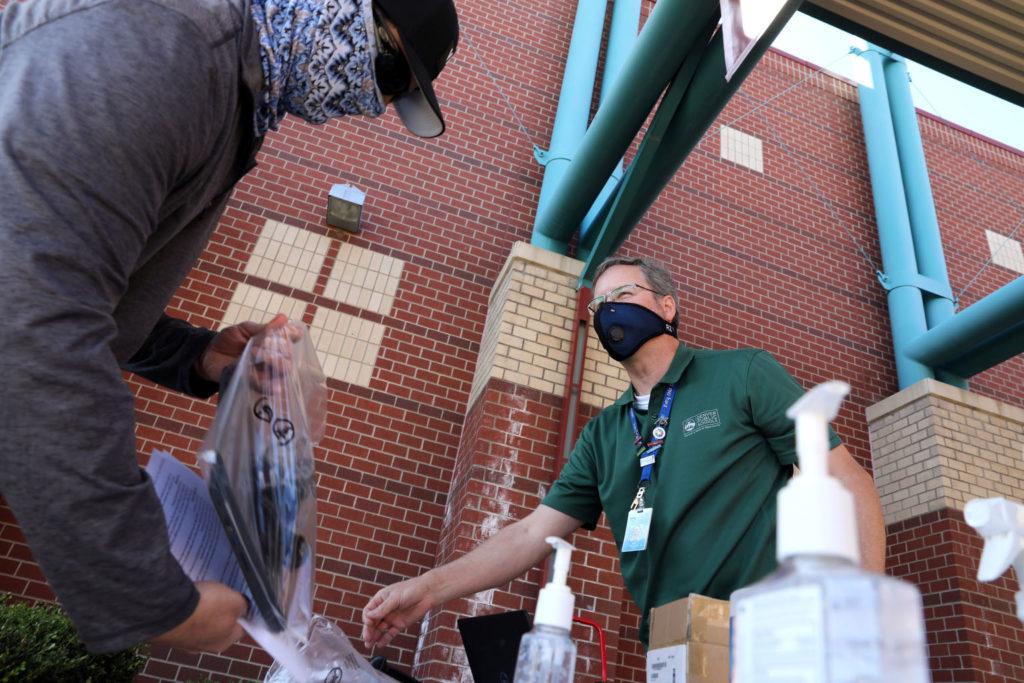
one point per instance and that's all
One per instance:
(761, 104)
(814, 186)
(991, 258)
(774, 97)
(494, 80)
(981, 162)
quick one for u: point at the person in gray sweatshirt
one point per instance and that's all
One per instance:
(124, 126)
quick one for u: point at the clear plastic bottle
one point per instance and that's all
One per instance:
(547, 654)
(820, 617)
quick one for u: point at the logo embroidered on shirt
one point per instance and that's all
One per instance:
(701, 421)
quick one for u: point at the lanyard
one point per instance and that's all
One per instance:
(648, 453)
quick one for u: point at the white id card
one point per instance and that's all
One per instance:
(638, 525)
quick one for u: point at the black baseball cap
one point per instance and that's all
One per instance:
(429, 32)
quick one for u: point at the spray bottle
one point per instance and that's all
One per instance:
(547, 654)
(820, 617)
(1001, 523)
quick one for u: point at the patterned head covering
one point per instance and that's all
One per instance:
(317, 58)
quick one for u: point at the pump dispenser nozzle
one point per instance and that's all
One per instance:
(555, 602)
(1001, 523)
(816, 513)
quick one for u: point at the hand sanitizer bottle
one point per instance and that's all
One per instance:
(547, 654)
(820, 617)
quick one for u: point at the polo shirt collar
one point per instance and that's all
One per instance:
(679, 363)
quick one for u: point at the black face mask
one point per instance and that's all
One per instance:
(623, 328)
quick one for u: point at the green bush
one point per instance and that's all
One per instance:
(38, 643)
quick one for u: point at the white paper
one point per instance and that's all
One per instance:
(202, 548)
(198, 540)
(282, 647)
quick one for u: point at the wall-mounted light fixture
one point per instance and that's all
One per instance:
(345, 207)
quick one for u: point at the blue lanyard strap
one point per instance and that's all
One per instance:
(648, 453)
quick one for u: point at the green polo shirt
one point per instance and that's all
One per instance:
(728, 451)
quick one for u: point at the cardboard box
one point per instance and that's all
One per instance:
(689, 663)
(695, 619)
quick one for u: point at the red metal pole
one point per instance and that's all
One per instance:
(573, 379)
(600, 637)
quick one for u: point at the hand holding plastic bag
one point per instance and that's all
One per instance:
(259, 466)
(258, 462)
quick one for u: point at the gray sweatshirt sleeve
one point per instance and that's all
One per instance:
(97, 121)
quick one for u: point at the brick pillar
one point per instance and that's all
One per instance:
(935, 447)
(508, 455)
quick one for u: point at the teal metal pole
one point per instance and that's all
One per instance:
(706, 94)
(573, 111)
(610, 230)
(993, 352)
(621, 39)
(906, 306)
(666, 38)
(978, 324)
(924, 225)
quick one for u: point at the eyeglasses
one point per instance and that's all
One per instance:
(616, 295)
(391, 68)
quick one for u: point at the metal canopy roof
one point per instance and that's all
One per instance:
(980, 42)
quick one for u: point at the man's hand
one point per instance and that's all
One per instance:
(227, 347)
(213, 626)
(498, 560)
(394, 608)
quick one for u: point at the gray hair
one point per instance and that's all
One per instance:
(657, 275)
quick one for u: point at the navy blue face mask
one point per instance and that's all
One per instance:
(623, 328)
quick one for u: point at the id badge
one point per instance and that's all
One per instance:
(638, 525)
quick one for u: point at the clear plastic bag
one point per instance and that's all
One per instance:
(330, 658)
(258, 462)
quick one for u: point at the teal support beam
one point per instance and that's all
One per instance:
(984, 324)
(924, 225)
(906, 304)
(573, 111)
(621, 39)
(993, 352)
(706, 94)
(610, 229)
(668, 35)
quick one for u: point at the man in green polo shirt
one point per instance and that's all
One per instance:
(686, 466)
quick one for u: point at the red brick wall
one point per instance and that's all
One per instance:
(760, 258)
(973, 631)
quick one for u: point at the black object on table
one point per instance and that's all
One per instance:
(492, 644)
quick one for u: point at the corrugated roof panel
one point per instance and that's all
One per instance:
(982, 40)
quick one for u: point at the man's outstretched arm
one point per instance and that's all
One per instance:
(506, 555)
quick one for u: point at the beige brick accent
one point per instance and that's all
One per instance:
(529, 321)
(346, 345)
(604, 380)
(1005, 252)
(936, 446)
(364, 279)
(288, 255)
(741, 148)
(260, 305)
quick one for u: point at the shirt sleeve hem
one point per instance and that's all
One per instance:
(139, 634)
(587, 522)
